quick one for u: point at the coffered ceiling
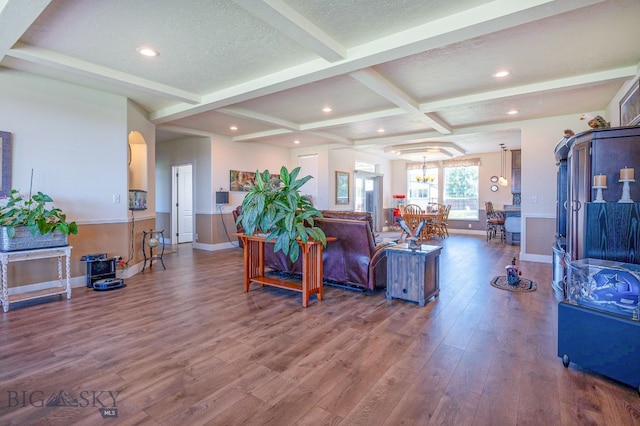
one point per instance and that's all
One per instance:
(409, 74)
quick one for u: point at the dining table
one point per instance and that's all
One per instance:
(413, 220)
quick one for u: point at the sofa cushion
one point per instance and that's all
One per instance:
(347, 214)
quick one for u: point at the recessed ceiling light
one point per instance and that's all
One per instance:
(147, 51)
(296, 141)
(326, 109)
(380, 130)
(501, 74)
(512, 112)
(233, 128)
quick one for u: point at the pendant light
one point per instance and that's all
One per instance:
(423, 178)
(503, 165)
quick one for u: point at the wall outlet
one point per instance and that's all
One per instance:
(116, 198)
(469, 226)
(534, 199)
(195, 236)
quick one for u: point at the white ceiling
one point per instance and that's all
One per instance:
(419, 69)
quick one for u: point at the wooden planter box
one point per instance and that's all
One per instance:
(24, 240)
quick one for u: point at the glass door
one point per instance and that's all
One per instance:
(368, 197)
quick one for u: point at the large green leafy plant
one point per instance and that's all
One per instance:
(33, 213)
(275, 207)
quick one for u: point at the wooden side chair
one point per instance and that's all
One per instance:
(412, 222)
(412, 209)
(445, 219)
(437, 227)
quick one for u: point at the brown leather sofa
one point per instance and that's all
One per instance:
(354, 259)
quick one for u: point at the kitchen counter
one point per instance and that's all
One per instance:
(512, 223)
(511, 208)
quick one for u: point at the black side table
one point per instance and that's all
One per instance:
(413, 275)
(152, 240)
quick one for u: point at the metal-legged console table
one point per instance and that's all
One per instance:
(16, 256)
(152, 240)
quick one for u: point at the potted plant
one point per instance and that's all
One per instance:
(28, 223)
(275, 207)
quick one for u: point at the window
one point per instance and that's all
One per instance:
(460, 188)
(453, 182)
(423, 190)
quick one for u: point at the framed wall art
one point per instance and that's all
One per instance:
(342, 187)
(241, 181)
(630, 106)
(5, 160)
(244, 181)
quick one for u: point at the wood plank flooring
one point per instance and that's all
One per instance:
(186, 346)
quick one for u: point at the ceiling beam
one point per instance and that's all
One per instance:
(475, 22)
(332, 137)
(578, 80)
(260, 135)
(187, 131)
(16, 16)
(299, 29)
(383, 87)
(262, 118)
(626, 72)
(348, 119)
(78, 67)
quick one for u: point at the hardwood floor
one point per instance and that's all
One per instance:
(186, 346)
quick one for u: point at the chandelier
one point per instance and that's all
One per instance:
(503, 165)
(424, 177)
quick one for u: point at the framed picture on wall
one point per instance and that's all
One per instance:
(5, 160)
(630, 106)
(342, 187)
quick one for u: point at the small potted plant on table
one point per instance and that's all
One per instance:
(27, 223)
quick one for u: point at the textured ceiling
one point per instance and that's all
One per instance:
(419, 69)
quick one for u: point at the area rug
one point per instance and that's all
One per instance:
(524, 284)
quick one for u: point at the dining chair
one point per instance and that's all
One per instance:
(412, 209)
(445, 219)
(436, 226)
(412, 222)
(495, 221)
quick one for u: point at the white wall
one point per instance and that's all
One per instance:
(190, 150)
(212, 159)
(75, 141)
(227, 155)
(324, 188)
(539, 170)
(613, 109)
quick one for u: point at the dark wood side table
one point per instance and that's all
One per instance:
(413, 275)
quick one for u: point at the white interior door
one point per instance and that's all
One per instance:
(184, 203)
